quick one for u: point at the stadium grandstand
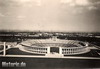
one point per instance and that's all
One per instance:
(54, 45)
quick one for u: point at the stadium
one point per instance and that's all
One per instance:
(54, 46)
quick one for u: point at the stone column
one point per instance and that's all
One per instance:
(60, 50)
(4, 50)
(48, 50)
(87, 44)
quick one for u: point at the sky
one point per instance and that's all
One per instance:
(50, 15)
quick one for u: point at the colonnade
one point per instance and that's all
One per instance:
(62, 50)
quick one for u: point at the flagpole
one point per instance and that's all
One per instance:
(4, 52)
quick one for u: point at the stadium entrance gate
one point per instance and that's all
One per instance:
(54, 49)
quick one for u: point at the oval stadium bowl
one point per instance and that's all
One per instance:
(52, 46)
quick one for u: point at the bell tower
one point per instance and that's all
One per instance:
(54, 38)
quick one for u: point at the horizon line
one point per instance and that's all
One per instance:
(48, 31)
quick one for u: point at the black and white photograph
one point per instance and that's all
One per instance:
(50, 34)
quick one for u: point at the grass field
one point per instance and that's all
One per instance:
(16, 51)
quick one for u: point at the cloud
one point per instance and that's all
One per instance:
(76, 2)
(22, 1)
(66, 1)
(82, 2)
(28, 2)
(87, 5)
(92, 8)
(2, 15)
